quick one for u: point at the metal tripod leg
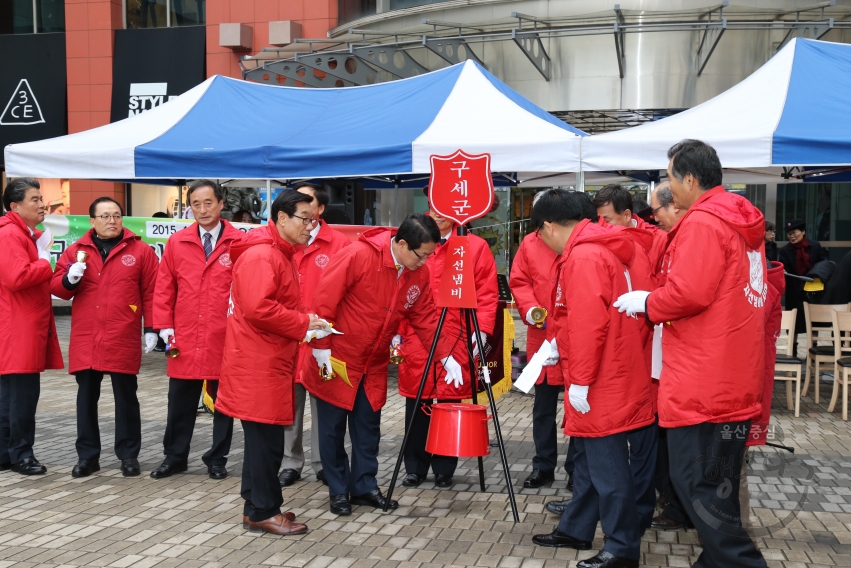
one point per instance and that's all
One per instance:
(410, 424)
(473, 380)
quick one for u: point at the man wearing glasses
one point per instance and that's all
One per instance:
(190, 310)
(415, 352)
(110, 274)
(311, 260)
(366, 291)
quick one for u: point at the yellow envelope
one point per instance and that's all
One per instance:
(339, 368)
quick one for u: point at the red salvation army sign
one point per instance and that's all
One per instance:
(461, 186)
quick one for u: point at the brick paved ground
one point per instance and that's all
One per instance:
(802, 503)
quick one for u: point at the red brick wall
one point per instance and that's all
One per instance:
(315, 16)
(89, 26)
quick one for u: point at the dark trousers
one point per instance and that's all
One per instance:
(673, 508)
(261, 490)
(18, 401)
(364, 425)
(706, 462)
(569, 465)
(417, 459)
(603, 491)
(643, 443)
(128, 420)
(544, 427)
(183, 396)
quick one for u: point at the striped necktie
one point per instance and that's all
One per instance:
(208, 244)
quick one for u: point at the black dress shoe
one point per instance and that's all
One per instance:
(442, 480)
(29, 466)
(130, 467)
(570, 482)
(340, 505)
(558, 539)
(320, 476)
(663, 523)
(557, 507)
(374, 499)
(413, 480)
(217, 471)
(607, 560)
(538, 478)
(85, 468)
(5, 466)
(167, 470)
(288, 477)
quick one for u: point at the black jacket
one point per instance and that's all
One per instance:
(795, 288)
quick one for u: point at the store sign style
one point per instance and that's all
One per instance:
(461, 186)
(145, 96)
(22, 108)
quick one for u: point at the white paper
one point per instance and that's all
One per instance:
(43, 241)
(656, 364)
(530, 374)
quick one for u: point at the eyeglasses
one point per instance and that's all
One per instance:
(306, 220)
(421, 258)
(654, 211)
(107, 218)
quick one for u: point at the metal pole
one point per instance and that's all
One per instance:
(650, 189)
(474, 386)
(269, 202)
(419, 398)
(580, 181)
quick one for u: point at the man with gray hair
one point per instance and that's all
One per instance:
(662, 207)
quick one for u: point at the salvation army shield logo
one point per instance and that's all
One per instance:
(322, 260)
(461, 186)
(757, 290)
(411, 296)
(225, 260)
(128, 260)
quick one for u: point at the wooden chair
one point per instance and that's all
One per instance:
(819, 320)
(842, 348)
(789, 366)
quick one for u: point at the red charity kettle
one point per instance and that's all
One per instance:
(459, 430)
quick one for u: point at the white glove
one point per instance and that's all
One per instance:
(632, 302)
(553, 358)
(529, 319)
(166, 334)
(578, 396)
(323, 357)
(484, 338)
(397, 340)
(44, 255)
(321, 333)
(150, 342)
(43, 242)
(453, 371)
(75, 272)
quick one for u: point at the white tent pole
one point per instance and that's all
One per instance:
(650, 189)
(580, 181)
(269, 201)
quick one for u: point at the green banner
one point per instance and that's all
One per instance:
(66, 229)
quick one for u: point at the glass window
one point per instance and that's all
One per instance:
(164, 13)
(399, 4)
(16, 17)
(187, 12)
(348, 10)
(50, 15)
(825, 207)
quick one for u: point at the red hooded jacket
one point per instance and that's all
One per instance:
(191, 297)
(605, 350)
(28, 342)
(362, 296)
(311, 261)
(533, 280)
(265, 323)
(454, 329)
(773, 316)
(109, 302)
(659, 243)
(713, 342)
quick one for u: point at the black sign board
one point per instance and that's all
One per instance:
(151, 65)
(32, 88)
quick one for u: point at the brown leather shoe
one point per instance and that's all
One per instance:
(246, 523)
(279, 525)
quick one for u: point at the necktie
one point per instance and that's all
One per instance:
(443, 241)
(208, 244)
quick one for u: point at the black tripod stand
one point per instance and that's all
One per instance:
(469, 315)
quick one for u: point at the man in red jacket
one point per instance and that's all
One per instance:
(311, 260)
(533, 277)
(106, 316)
(190, 309)
(605, 364)
(266, 320)
(614, 204)
(417, 460)
(28, 342)
(713, 346)
(366, 292)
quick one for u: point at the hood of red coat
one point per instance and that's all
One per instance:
(377, 237)
(776, 279)
(617, 239)
(12, 218)
(736, 211)
(267, 235)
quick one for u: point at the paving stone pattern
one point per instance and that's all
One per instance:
(801, 503)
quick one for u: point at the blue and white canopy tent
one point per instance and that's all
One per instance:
(794, 111)
(229, 129)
